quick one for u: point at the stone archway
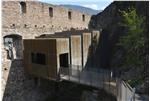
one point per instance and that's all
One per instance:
(13, 46)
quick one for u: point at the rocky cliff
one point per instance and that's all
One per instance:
(109, 21)
(108, 54)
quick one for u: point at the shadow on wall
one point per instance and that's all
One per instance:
(98, 52)
(110, 34)
(99, 57)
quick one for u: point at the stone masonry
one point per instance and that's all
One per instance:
(26, 20)
(37, 21)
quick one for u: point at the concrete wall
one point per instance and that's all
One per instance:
(95, 59)
(86, 47)
(76, 56)
(125, 91)
(52, 48)
(62, 47)
(76, 49)
(95, 36)
(87, 44)
(46, 47)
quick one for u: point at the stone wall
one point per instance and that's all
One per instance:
(35, 21)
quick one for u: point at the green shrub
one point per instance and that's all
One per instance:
(135, 82)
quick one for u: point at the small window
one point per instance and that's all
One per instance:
(69, 15)
(83, 17)
(50, 11)
(38, 58)
(23, 7)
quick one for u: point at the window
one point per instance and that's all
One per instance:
(38, 58)
(23, 7)
(63, 60)
(83, 17)
(69, 15)
(13, 46)
(50, 11)
(8, 41)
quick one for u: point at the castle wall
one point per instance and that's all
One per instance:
(35, 21)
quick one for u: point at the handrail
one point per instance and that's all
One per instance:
(128, 88)
(86, 75)
(132, 96)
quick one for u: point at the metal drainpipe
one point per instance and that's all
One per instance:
(70, 56)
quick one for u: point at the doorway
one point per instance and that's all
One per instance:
(13, 46)
(63, 60)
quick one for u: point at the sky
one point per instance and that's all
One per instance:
(94, 4)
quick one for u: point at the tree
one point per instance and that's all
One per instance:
(133, 42)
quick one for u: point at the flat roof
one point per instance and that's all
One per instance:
(47, 38)
(53, 36)
(64, 34)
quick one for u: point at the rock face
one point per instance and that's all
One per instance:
(107, 54)
(108, 21)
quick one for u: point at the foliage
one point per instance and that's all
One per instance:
(135, 82)
(133, 42)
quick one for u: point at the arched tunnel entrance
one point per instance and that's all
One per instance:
(13, 46)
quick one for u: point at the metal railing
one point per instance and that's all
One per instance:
(95, 77)
(124, 91)
(99, 78)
